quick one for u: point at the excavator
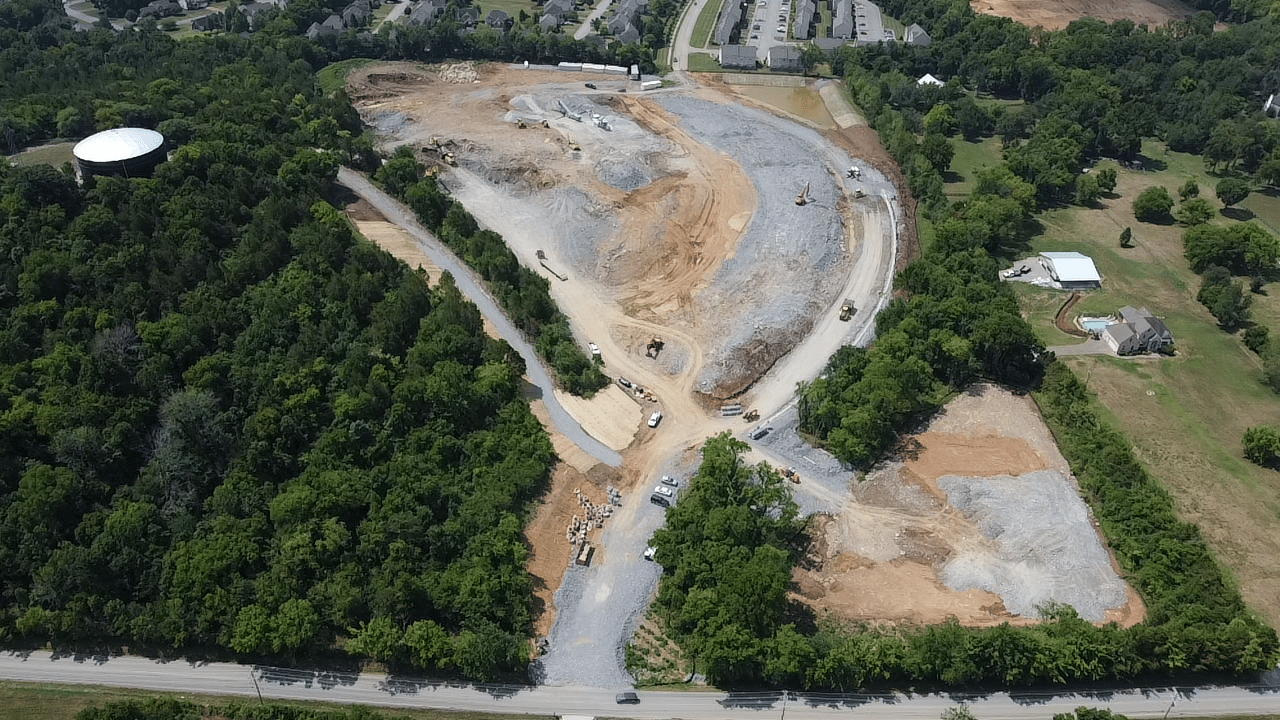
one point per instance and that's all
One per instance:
(803, 197)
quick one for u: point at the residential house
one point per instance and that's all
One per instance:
(190, 5)
(738, 57)
(331, 26)
(1150, 333)
(498, 20)
(785, 58)
(427, 12)
(357, 14)
(160, 9)
(212, 21)
(842, 27)
(915, 35)
(468, 17)
(802, 26)
(256, 13)
(728, 22)
(629, 36)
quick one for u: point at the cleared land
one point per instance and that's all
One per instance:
(980, 520)
(677, 220)
(1057, 14)
(1185, 415)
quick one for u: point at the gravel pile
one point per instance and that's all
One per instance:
(629, 174)
(790, 261)
(1048, 549)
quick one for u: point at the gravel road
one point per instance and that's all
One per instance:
(472, 287)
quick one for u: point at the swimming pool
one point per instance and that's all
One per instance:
(1095, 324)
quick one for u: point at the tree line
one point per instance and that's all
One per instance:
(226, 423)
(525, 295)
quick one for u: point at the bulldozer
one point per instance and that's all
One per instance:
(653, 348)
(751, 415)
(859, 192)
(803, 197)
(520, 123)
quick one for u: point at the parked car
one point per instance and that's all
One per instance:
(782, 30)
(664, 490)
(591, 85)
(650, 552)
(668, 480)
(655, 418)
(624, 382)
(595, 349)
(627, 698)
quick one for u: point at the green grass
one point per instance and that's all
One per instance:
(1266, 208)
(55, 154)
(41, 701)
(703, 62)
(510, 7)
(706, 23)
(333, 77)
(1185, 415)
(969, 158)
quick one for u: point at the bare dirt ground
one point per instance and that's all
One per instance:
(901, 551)
(550, 553)
(1057, 14)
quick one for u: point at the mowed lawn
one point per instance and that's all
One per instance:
(1186, 414)
(34, 701)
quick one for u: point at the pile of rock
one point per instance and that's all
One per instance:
(459, 73)
(577, 530)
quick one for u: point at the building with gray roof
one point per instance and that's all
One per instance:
(785, 58)
(915, 35)
(842, 27)
(728, 22)
(802, 26)
(738, 57)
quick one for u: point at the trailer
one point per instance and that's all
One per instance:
(651, 85)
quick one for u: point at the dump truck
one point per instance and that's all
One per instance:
(846, 310)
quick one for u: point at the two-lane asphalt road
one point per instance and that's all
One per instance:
(376, 689)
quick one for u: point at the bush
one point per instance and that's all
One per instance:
(1153, 205)
(1262, 445)
(1257, 338)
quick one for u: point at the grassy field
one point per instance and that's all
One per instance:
(1186, 414)
(703, 28)
(54, 154)
(333, 77)
(703, 62)
(32, 701)
(510, 7)
(969, 158)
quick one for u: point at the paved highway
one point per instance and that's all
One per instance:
(471, 286)
(377, 689)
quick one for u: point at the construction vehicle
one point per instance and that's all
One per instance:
(853, 172)
(520, 123)
(751, 415)
(449, 159)
(653, 348)
(567, 112)
(546, 123)
(859, 192)
(846, 310)
(791, 474)
(573, 144)
(803, 197)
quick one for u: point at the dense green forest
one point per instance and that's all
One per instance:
(525, 295)
(225, 423)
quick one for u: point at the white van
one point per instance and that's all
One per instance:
(655, 418)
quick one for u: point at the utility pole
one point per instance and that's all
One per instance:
(254, 677)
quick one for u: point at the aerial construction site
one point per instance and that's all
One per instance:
(715, 243)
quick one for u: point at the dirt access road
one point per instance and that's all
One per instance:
(671, 215)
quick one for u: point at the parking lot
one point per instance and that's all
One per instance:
(770, 25)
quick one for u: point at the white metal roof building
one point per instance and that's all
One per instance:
(131, 152)
(1071, 270)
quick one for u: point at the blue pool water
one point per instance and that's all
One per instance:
(1095, 324)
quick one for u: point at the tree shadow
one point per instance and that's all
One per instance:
(952, 177)
(1238, 214)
